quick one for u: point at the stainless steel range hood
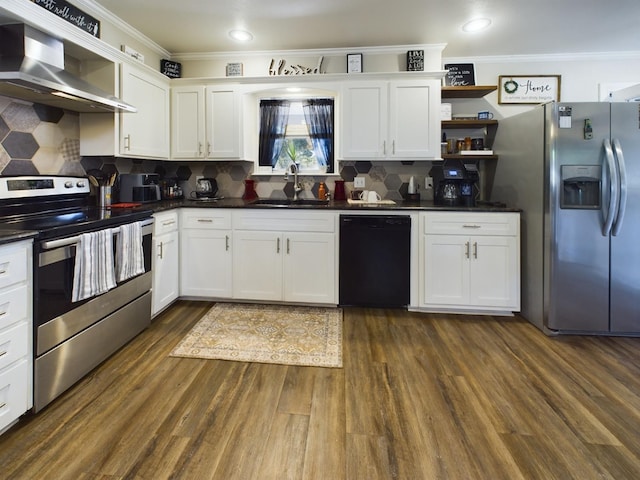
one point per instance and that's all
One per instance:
(32, 68)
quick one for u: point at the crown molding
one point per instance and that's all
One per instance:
(551, 57)
(103, 14)
(394, 49)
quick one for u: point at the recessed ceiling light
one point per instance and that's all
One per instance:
(241, 35)
(476, 25)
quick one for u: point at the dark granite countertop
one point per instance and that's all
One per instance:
(10, 236)
(332, 205)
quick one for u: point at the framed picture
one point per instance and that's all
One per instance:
(354, 63)
(234, 69)
(522, 89)
(459, 74)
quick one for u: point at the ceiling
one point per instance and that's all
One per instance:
(519, 27)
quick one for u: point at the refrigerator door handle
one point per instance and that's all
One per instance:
(622, 202)
(613, 181)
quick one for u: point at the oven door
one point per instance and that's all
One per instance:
(56, 317)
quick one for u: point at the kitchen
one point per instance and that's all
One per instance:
(383, 352)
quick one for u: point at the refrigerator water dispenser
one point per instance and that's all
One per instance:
(580, 186)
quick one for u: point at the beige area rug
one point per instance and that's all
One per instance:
(289, 335)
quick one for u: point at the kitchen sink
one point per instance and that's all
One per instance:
(286, 202)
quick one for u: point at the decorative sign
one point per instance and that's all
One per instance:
(170, 69)
(281, 68)
(234, 69)
(415, 61)
(528, 88)
(354, 63)
(71, 14)
(459, 74)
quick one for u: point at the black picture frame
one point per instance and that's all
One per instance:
(354, 63)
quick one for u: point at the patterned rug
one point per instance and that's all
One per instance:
(289, 335)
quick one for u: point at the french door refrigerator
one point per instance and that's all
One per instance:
(574, 170)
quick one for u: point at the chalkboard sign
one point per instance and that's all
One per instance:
(170, 69)
(415, 60)
(71, 14)
(459, 74)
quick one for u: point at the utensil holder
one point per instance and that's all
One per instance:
(104, 196)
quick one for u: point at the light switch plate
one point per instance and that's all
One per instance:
(358, 182)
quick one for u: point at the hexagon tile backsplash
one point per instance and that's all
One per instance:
(41, 140)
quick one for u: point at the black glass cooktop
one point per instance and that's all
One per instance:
(71, 222)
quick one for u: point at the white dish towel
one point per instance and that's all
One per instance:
(93, 272)
(129, 253)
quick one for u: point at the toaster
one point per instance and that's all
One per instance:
(139, 187)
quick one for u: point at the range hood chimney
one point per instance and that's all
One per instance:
(32, 68)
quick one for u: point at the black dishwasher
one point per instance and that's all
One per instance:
(375, 253)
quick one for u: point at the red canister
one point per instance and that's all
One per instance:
(339, 193)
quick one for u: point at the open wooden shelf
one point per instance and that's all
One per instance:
(468, 123)
(469, 157)
(472, 91)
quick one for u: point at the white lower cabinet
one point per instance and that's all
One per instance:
(285, 256)
(470, 261)
(166, 261)
(16, 327)
(205, 253)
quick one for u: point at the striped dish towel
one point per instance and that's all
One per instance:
(93, 272)
(129, 254)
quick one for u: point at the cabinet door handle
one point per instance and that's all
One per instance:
(384, 147)
(278, 246)
(393, 147)
(208, 149)
(199, 149)
(288, 247)
(466, 250)
(475, 249)
(226, 242)
(127, 142)
(160, 245)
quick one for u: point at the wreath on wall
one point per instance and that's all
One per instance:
(510, 86)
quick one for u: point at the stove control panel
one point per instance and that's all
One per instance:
(41, 186)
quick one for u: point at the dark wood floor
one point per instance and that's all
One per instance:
(420, 397)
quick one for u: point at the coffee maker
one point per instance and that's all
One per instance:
(455, 183)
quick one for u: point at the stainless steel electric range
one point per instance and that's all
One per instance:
(72, 337)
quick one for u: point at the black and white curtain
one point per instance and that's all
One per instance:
(274, 115)
(318, 113)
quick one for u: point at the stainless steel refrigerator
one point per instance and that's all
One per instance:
(574, 170)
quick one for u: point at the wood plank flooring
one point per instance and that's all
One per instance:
(420, 396)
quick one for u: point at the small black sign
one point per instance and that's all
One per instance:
(170, 69)
(415, 60)
(459, 74)
(71, 14)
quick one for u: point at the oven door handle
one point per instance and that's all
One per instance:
(65, 242)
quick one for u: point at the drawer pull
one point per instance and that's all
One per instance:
(167, 223)
(2, 354)
(2, 405)
(205, 220)
(471, 226)
(3, 312)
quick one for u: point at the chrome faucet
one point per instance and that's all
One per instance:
(297, 186)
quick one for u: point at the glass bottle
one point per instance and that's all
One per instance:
(322, 192)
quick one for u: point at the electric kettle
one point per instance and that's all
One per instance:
(206, 188)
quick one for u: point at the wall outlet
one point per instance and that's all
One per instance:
(358, 182)
(428, 182)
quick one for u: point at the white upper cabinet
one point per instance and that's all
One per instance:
(145, 133)
(205, 123)
(393, 120)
